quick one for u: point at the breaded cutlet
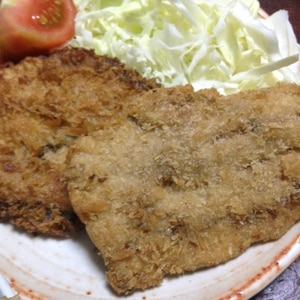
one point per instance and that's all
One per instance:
(189, 180)
(45, 103)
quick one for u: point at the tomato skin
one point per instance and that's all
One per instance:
(23, 33)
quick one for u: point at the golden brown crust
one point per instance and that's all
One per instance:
(46, 103)
(189, 180)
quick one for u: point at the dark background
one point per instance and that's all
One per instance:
(292, 6)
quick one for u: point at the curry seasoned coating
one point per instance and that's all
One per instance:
(46, 103)
(189, 180)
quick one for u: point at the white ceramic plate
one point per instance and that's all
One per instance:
(41, 268)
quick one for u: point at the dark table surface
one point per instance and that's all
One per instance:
(287, 285)
(284, 287)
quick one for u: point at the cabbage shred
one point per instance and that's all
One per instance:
(218, 44)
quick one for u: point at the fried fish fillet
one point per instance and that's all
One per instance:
(188, 180)
(46, 103)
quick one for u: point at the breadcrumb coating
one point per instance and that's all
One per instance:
(188, 180)
(46, 102)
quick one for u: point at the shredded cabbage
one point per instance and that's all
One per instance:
(205, 43)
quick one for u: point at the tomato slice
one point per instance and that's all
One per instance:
(30, 27)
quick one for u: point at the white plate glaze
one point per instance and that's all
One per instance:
(5, 288)
(40, 268)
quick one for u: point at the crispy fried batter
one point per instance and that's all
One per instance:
(189, 180)
(46, 103)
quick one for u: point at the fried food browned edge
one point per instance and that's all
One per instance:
(188, 180)
(46, 102)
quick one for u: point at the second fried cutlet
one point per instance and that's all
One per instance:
(46, 103)
(189, 180)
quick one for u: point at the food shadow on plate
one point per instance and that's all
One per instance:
(79, 238)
